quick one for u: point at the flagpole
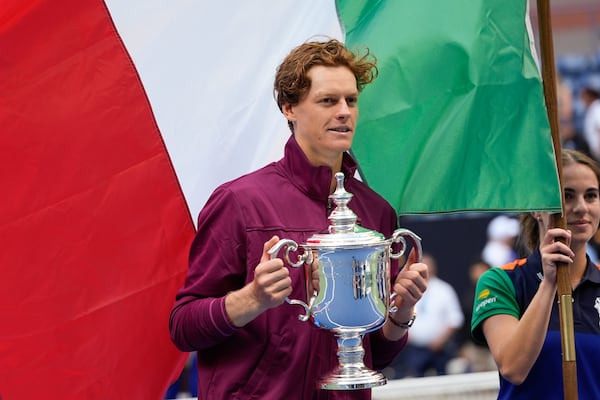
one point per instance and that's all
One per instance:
(564, 293)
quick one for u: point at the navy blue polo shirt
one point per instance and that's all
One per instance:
(509, 290)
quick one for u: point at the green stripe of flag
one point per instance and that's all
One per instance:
(456, 120)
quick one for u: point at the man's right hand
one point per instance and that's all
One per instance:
(272, 282)
(269, 288)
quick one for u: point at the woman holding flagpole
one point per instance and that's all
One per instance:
(515, 310)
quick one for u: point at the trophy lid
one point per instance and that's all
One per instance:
(343, 231)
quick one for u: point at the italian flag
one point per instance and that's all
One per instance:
(119, 118)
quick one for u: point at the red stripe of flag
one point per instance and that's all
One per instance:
(94, 228)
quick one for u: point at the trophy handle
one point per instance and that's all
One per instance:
(399, 237)
(290, 245)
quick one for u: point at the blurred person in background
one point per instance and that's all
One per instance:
(566, 111)
(473, 356)
(590, 97)
(187, 383)
(433, 338)
(502, 233)
(569, 136)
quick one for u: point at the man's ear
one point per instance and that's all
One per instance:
(288, 112)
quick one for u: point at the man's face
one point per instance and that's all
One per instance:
(325, 118)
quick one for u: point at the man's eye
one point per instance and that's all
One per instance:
(352, 100)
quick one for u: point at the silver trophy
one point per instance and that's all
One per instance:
(348, 286)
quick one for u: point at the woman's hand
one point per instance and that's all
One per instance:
(555, 249)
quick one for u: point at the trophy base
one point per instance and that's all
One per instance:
(352, 379)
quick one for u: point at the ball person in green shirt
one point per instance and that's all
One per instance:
(515, 310)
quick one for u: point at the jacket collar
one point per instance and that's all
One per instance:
(312, 180)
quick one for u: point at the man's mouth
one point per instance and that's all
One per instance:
(343, 129)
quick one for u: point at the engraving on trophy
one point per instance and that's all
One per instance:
(360, 279)
(382, 276)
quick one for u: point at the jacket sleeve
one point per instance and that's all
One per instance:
(217, 265)
(384, 351)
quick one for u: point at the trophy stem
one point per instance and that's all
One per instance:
(351, 373)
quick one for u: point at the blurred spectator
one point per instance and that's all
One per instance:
(565, 108)
(570, 138)
(502, 233)
(187, 383)
(590, 96)
(432, 340)
(473, 357)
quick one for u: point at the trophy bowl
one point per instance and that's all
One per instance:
(348, 289)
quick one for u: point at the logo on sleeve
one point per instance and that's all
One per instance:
(484, 299)
(483, 294)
